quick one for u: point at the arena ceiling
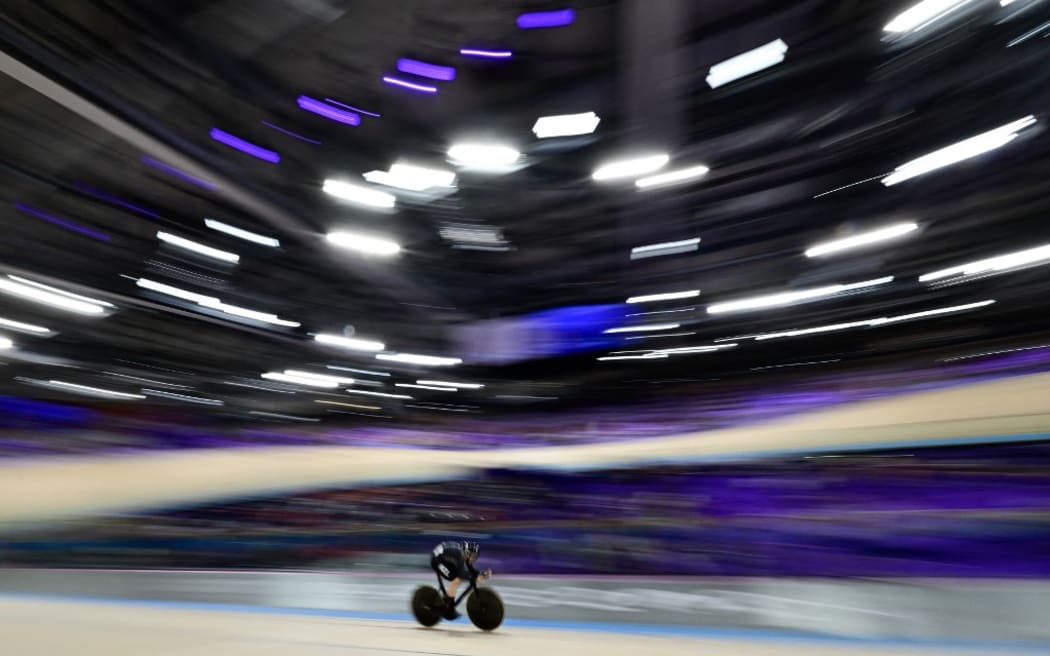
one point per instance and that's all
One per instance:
(118, 118)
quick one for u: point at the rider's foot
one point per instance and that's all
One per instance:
(450, 609)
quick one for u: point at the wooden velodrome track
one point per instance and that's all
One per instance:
(72, 628)
(69, 487)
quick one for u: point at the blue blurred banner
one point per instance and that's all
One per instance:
(549, 333)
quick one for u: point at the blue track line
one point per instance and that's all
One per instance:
(745, 634)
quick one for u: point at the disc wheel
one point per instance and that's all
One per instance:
(485, 609)
(427, 605)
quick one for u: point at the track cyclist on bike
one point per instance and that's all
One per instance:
(454, 562)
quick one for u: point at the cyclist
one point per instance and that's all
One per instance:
(454, 562)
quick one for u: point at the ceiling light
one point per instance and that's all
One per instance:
(958, 152)
(932, 313)
(672, 177)
(92, 391)
(647, 356)
(363, 244)
(565, 125)
(747, 63)
(707, 348)
(791, 298)
(146, 380)
(920, 15)
(405, 84)
(352, 343)
(669, 296)
(642, 314)
(62, 223)
(385, 395)
(245, 147)
(539, 19)
(446, 383)
(991, 265)
(862, 239)
(486, 54)
(23, 327)
(5, 343)
(644, 328)
(200, 400)
(338, 380)
(630, 168)
(411, 177)
(299, 380)
(367, 372)
(436, 388)
(483, 156)
(412, 358)
(353, 109)
(235, 310)
(200, 249)
(333, 113)
(177, 292)
(242, 234)
(52, 296)
(870, 323)
(359, 194)
(349, 405)
(423, 69)
(666, 248)
(277, 415)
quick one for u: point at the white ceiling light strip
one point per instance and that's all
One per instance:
(747, 63)
(872, 323)
(413, 358)
(630, 168)
(52, 296)
(665, 248)
(23, 327)
(958, 152)
(359, 194)
(668, 296)
(367, 244)
(861, 240)
(350, 343)
(992, 265)
(240, 233)
(87, 390)
(198, 248)
(199, 400)
(792, 298)
(677, 176)
(644, 328)
(922, 14)
(565, 125)
(299, 380)
(448, 383)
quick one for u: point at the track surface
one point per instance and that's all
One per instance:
(36, 627)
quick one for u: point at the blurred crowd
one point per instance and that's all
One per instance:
(39, 429)
(969, 512)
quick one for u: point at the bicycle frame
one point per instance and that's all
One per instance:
(463, 595)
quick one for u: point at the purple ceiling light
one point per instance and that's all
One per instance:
(62, 223)
(290, 133)
(485, 54)
(352, 108)
(423, 69)
(332, 113)
(397, 82)
(539, 19)
(179, 173)
(246, 147)
(109, 198)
